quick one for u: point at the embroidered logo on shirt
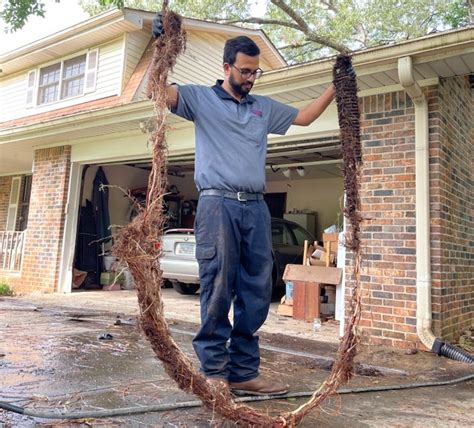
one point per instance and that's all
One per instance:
(258, 113)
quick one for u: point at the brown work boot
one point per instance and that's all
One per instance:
(218, 381)
(258, 386)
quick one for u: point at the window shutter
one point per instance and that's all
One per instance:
(30, 91)
(91, 71)
(13, 205)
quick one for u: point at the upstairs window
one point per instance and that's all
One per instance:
(73, 77)
(70, 78)
(62, 80)
(48, 87)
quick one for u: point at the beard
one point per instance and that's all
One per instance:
(240, 88)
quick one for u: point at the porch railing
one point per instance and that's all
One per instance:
(11, 250)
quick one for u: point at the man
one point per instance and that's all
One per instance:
(232, 227)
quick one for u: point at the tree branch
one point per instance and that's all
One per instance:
(312, 36)
(254, 20)
(294, 45)
(302, 25)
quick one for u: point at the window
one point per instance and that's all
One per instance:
(280, 234)
(62, 80)
(301, 234)
(48, 88)
(73, 77)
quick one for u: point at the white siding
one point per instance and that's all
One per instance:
(13, 90)
(13, 97)
(201, 62)
(135, 45)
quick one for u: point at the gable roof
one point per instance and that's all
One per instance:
(112, 24)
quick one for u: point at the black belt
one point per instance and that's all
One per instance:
(240, 196)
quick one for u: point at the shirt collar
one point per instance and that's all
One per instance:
(222, 93)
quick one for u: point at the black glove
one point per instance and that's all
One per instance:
(157, 25)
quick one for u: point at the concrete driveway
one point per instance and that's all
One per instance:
(52, 359)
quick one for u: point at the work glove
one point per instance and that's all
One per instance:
(157, 25)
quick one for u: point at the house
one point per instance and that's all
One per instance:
(75, 101)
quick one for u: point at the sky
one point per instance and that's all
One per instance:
(58, 16)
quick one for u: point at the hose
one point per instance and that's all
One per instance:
(125, 411)
(450, 351)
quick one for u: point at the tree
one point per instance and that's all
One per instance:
(305, 30)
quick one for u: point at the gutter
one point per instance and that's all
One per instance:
(380, 58)
(423, 244)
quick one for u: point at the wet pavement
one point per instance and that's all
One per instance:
(52, 359)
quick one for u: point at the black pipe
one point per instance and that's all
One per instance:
(446, 350)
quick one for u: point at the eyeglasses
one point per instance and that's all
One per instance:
(245, 73)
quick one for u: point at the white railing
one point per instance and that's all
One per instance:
(11, 250)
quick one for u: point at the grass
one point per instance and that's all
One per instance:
(5, 289)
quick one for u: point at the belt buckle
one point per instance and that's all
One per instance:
(241, 197)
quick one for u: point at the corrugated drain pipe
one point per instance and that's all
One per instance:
(423, 246)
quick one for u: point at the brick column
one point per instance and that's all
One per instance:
(452, 206)
(41, 262)
(388, 230)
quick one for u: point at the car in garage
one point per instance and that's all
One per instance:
(180, 267)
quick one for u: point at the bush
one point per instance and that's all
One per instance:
(5, 289)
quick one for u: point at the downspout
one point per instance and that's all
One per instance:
(423, 245)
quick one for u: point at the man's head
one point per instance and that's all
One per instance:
(241, 64)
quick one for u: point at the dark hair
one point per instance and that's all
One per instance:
(242, 44)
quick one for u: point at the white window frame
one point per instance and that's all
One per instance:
(37, 92)
(85, 89)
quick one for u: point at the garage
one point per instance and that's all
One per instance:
(304, 186)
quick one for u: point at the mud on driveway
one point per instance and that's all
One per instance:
(52, 359)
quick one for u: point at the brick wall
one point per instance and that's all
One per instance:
(388, 205)
(41, 260)
(5, 187)
(452, 202)
(388, 231)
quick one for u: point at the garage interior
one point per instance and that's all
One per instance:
(304, 185)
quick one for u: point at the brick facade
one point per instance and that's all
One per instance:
(388, 230)
(41, 259)
(452, 207)
(388, 207)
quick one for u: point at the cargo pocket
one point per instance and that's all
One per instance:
(207, 260)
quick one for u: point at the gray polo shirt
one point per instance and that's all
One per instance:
(231, 136)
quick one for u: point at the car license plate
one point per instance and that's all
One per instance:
(185, 248)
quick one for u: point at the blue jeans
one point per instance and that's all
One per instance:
(234, 252)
